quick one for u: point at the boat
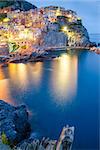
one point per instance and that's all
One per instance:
(66, 138)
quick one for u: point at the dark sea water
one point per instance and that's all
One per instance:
(58, 92)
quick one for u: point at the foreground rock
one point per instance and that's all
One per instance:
(64, 143)
(4, 147)
(15, 131)
(13, 123)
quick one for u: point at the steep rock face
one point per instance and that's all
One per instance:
(76, 32)
(54, 38)
(66, 32)
(14, 122)
(79, 35)
(53, 27)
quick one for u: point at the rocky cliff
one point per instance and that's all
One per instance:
(14, 125)
(73, 28)
(77, 34)
(54, 38)
(15, 132)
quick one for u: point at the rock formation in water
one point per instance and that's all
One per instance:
(76, 32)
(72, 27)
(14, 125)
(15, 132)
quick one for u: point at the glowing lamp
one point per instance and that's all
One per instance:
(5, 11)
(58, 12)
(79, 18)
(70, 16)
(15, 16)
(65, 29)
(26, 34)
(6, 20)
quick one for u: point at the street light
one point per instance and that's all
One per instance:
(64, 29)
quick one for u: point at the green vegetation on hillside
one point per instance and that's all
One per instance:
(4, 139)
(22, 5)
(6, 3)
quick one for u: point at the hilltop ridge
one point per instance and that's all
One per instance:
(17, 4)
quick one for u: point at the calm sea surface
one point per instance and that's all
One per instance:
(58, 92)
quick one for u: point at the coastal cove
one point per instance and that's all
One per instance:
(49, 76)
(58, 92)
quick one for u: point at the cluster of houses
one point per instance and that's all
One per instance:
(21, 30)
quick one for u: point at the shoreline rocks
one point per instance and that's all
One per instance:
(4, 147)
(15, 132)
(14, 123)
(95, 49)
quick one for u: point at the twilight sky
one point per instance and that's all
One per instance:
(88, 10)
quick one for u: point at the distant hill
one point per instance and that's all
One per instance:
(17, 4)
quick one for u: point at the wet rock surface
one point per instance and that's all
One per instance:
(14, 122)
(35, 144)
(4, 147)
(15, 132)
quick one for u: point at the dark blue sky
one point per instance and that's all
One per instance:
(88, 10)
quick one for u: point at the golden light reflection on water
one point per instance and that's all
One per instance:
(4, 88)
(64, 78)
(19, 74)
(24, 74)
(63, 81)
(37, 70)
(12, 71)
(2, 75)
